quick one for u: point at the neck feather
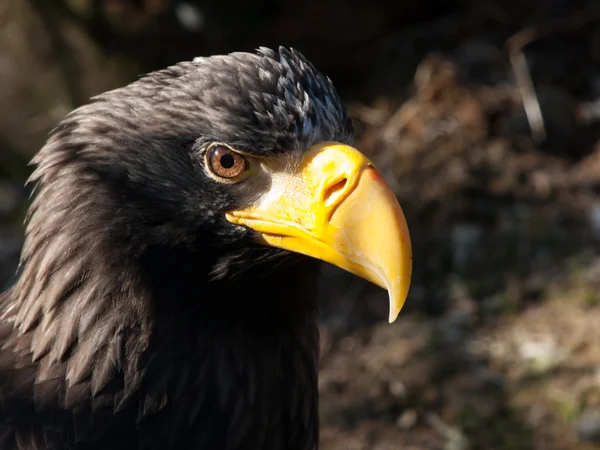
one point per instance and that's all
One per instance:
(229, 363)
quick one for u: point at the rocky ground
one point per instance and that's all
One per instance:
(485, 122)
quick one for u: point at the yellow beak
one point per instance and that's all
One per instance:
(335, 206)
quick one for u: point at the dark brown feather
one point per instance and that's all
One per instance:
(141, 319)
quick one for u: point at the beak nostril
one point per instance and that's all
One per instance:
(333, 192)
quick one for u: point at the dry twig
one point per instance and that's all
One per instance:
(516, 45)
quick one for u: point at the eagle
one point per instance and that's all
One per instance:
(166, 294)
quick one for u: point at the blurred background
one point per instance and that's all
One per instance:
(484, 117)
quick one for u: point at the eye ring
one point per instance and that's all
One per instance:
(225, 163)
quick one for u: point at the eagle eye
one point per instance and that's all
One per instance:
(225, 163)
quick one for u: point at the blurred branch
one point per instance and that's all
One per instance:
(95, 27)
(140, 46)
(528, 94)
(528, 35)
(60, 47)
(516, 45)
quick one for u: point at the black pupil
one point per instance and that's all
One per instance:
(227, 161)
